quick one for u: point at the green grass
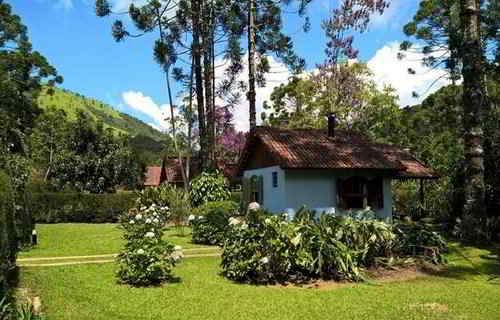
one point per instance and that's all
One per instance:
(91, 292)
(464, 290)
(80, 239)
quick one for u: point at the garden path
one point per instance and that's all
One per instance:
(104, 258)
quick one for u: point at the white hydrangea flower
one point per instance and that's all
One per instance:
(138, 217)
(140, 251)
(253, 206)
(132, 222)
(148, 220)
(153, 205)
(177, 248)
(264, 260)
(149, 235)
(155, 220)
(191, 217)
(143, 208)
(244, 226)
(267, 221)
(152, 229)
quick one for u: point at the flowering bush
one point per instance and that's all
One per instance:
(209, 187)
(147, 258)
(210, 226)
(269, 248)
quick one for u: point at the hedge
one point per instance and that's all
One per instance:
(8, 235)
(80, 207)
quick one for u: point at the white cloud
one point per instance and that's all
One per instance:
(145, 104)
(389, 70)
(154, 126)
(279, 74)
(64, 4)
(123, 5)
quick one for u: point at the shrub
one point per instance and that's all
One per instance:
(417, 240)
(272, 249)
(237, 196)
(80, 207)
(229, 207)
(147, 258)
(8, 236)
(209, 187)
(212, 222)
(269, 248)
(180, 206)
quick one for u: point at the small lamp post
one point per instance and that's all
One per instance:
(34, 237)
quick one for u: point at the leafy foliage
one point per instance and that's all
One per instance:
(209, 187)
(21, 73)
(59, 207)
(8, 235)
(180, 205)
(147, 259)
(269, 248)
(212, 223)
(89, 158)
(147, 143)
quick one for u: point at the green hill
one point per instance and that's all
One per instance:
(72, 102)
(148, 142)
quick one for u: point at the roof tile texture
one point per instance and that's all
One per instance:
(314, 149)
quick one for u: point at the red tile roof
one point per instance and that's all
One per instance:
(314, 149)
(173, 168)
(152, 176)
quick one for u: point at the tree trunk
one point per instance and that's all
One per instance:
(251, 64)
(174, 133)
(190, 121)
(207, 77)
(200, 103)
(170, 101)
(473, 101)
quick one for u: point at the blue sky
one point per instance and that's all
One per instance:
(124, 75)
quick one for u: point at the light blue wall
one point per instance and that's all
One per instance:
(274, 198)
(312, 188)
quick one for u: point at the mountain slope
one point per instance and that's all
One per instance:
(72, 102)
(148, 143)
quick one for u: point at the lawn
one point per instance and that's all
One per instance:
(79, 239)
(463, 291)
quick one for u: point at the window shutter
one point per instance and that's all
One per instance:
(340, 202)
(246, 194)
(261, 190)
(376, 193)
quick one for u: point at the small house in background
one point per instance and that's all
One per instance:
(170, 172)
(324, 170)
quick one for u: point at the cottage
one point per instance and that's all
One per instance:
(326, 170)
(170, 172)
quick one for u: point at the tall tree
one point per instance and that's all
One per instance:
(474, 100)
(349, 17)
(21, 73)
(463, 37)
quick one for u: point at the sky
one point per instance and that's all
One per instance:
(80, 46)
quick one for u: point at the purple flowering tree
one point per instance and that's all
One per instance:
(343, 83)
(229, 141)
